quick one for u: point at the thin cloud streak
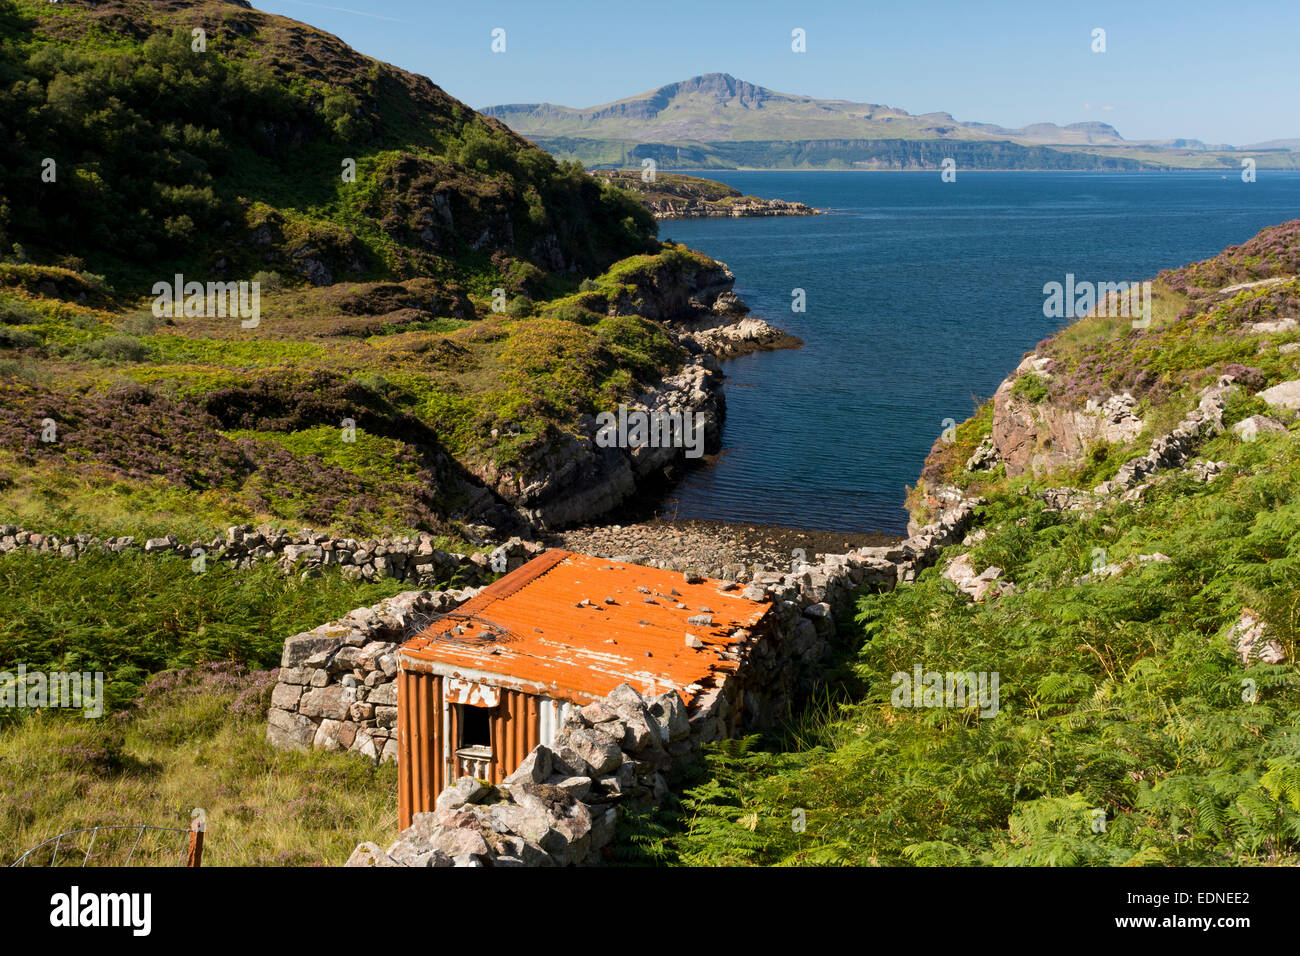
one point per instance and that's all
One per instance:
(359, 13)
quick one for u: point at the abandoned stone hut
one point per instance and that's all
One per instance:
(482, 686)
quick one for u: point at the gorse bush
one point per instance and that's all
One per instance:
(269, 281)
(18, 339)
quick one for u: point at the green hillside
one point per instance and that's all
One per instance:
(417, 263)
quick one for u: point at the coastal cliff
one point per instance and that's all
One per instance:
(572, 479)
(1101, 391)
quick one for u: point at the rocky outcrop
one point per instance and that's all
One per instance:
(725, 337)
(747, 206)
(1038, 437)
(1283, 395)
(575, 479)
(673, 196)
(1248, 429)
(1252, 640)
(572, 478)
(694, 297)
(1112, 569)
(674, 288)
(977, 584)
(1229, 291)
(1174, 448)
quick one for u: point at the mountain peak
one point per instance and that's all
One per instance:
(720, 87)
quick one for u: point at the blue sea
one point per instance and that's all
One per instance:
(920, 297)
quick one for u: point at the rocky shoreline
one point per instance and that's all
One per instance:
(713, 547)
(574, 480)
(675, 196)
(748, 206)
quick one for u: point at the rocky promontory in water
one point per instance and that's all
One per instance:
(676, 196)
(579, 477)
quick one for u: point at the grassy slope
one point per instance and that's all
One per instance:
(1122, 694)
(197, 738)
(184, 658)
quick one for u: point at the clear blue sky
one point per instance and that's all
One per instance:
(1224, 72)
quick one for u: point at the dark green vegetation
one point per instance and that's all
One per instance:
(460, 300)
(1122, 694)
(171, 157)
(132, 615)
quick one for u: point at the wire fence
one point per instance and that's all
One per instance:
(122, 845)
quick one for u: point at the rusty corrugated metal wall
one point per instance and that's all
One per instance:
(427, 755)
(515, 731)
(420, 762)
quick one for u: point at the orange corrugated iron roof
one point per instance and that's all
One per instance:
(547, 628)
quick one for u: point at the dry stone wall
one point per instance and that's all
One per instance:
(336, 688)
(413, 559)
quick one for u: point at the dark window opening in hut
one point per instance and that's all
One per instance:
(475, 726)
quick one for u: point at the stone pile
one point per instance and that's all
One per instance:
(561, 806)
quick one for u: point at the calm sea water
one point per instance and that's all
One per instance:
(921, 297)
